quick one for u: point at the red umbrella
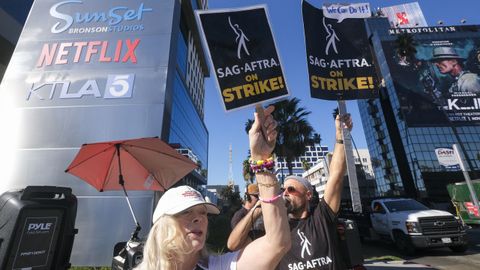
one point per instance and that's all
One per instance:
(138, 164)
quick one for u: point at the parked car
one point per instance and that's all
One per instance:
(410, 225)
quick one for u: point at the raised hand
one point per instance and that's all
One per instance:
(263, 134)
(343, 121)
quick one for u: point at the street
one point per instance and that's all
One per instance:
(442, 258)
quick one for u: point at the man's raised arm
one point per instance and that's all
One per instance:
(333, 190)
(239, 238)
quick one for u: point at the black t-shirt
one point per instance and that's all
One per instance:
(258, 229)
(315, 243)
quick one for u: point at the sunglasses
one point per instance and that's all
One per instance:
(291, 190)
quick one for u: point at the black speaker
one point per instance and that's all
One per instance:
(127, 255)
(350, 245)
(37, 228)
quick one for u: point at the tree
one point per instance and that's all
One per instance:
(316, 139)
(231, 198)
(294, 130)
(306, 166)
(248, 175)
(405, 44)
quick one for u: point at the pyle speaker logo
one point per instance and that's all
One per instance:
(39, 226)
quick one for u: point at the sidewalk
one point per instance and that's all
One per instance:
(392, 265)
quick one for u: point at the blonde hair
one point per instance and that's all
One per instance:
(166, 246)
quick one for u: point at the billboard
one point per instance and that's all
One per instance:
(440, 83)
(405, 15)
(242, 49)
(339, 59)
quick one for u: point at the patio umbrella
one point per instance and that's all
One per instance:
(137, 164)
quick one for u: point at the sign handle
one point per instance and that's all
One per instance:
(350, 160)
(261, 117)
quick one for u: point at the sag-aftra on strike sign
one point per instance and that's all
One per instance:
(244, 56)
(340, 62)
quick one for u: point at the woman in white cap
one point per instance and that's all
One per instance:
(178, 235)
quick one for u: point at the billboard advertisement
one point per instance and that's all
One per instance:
(339, 59)
(405, 15)
(242, 49)
(440, 83)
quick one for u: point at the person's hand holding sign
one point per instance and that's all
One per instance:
(263, 134)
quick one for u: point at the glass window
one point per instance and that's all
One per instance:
(186, 126)
(182, 52)
(404, 205)
(194, 4)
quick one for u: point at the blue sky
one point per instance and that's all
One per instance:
(285, 19)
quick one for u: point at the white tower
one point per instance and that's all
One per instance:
(230, 167)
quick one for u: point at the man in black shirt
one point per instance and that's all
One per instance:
(249, 220)
(315, 242)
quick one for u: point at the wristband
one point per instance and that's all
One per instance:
(271, 200)
(340, 141)
(265, 165)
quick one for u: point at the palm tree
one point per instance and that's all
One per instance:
(406, 46)
(248, 175)
(294, 131)
(316, 139)
(306, 166)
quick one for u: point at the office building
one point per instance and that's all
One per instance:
(71, 81)
(318, 174)
(422, 109)
(313, 154)
(12, 17)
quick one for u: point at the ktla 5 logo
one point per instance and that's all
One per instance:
(117, 86)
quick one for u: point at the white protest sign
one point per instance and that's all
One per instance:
(344, 11)
(446, 157)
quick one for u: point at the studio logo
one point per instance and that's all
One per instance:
(117, 86)
(111, 19)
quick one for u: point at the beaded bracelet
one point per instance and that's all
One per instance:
(271, 200)
(265, 165)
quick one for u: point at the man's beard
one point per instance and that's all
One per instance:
(292, 209)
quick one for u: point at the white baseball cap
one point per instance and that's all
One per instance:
(178, 199)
